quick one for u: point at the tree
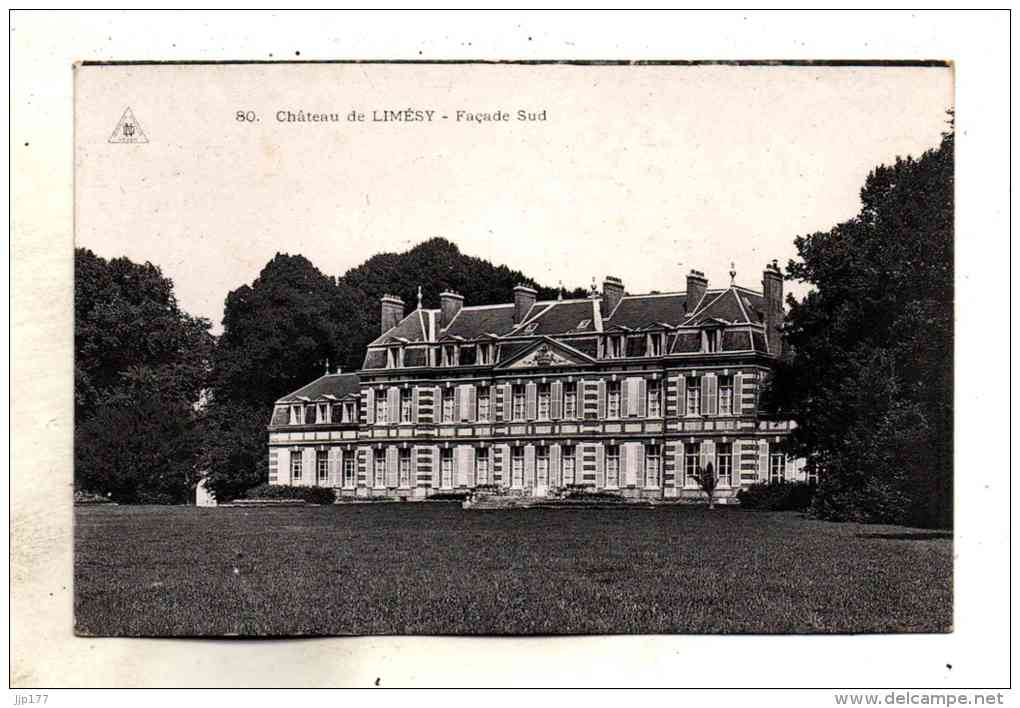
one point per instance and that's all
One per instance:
(868, 373)
(280, 332)
(707, 482)
(234, 453)
(126, 315)
(140, 445)
(141, 364)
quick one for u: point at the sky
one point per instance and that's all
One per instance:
(641, 172)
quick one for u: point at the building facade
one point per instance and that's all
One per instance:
(619, 392)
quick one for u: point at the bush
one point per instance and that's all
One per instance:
(311, 495)
(449, 496)
(582, 495)
(778, 496)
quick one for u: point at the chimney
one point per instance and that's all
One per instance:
(524, 298)
(392, 312)
(697, 284)
(772, 287)
(612, 291)
(449, 304)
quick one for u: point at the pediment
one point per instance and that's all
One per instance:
(547, 353)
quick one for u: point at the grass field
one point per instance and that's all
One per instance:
(437, 569)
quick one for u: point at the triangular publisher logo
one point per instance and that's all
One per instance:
(128, 130)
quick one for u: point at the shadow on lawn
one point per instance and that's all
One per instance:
(919, 536)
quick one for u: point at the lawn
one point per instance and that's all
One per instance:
(438, 569)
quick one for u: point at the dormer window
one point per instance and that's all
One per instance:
(710, 340)
(350, 416)
(484, 354)
(322, 413)
(394, 358)
(297, 415)
(449, 355)
(614, 347)
(656, 343)
(530, 328)
(468, 355)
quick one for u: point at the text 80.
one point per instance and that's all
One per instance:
(246, 117)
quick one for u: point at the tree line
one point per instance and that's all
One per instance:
(867, 370)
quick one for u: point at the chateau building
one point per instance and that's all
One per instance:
(630, 393)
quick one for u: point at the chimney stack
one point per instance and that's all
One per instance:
(772, 287)
(524, 299)
(697, 284)
(392, 312)
(612, 292)
(449, 305)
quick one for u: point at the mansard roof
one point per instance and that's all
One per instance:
(416, 327)
(477, 321)
(732, 305)
(337, 386)
(560, 317)
(640, 311)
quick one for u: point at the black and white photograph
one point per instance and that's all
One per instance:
(456, 350)
(578, 361)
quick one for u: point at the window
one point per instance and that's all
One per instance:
(483, 404)
(614, 347)
(322, 413)
(468, 355)
(297, 415)
(381, 407)
(446, 466)
(693, 398)
(380, 469)
(612, 465)
(518, 410)
(653, 457)
(530, 328)
(777, 467)
(811, 475)
(349, 416)
(405, 405)
(295, 465)
(542, 465)
(348, 470)
(568, 459)
(691, 453)
(483, 353)
(482, 465)
(405, 467)
(613, 399)
(517, 466)
(543, 401)
(448, 404)
(711, 340)
(725, 395)
(450, 355)
(655, 344)
(570, 400)
(393, 358)
(724, 463)
(636, 345)
(654, 399)
(322, 465)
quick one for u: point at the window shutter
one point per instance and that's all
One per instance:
(629, 474)
(625, 406)
(414, 405)
(458, 402)
(529, 465)
(437, 405)
(708, 450)
(738, 396)
(283, 467)
(555, 475)
(504, 408)
(600, 465)
(678, 465)
(642, 398)
(601, 412)
(391, 466)
(681, 383)
(309, 474)
(370, 406)
(471, 405)
(531, 394)
(763, 460)
(393, 404)
(556, 404)
(504, 468)
(333, 476)
(709, 400)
